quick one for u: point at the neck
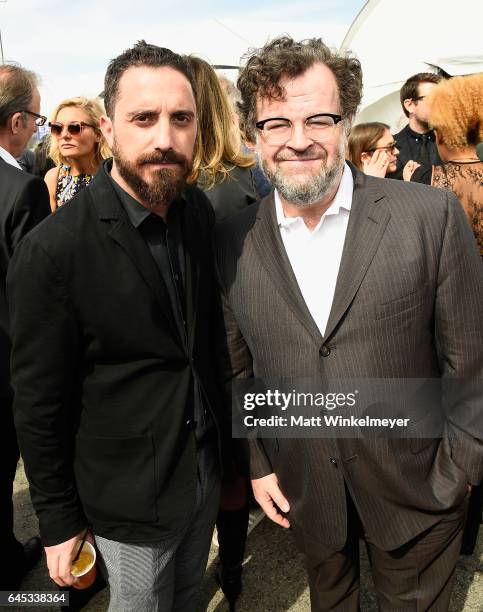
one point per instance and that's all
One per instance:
(418, 126)
(160, 209)
(6, 144)
(467, 154)
(83, 165)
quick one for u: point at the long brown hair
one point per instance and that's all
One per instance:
(363, 138)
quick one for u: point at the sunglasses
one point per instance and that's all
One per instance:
(74, 128)
(39, 119)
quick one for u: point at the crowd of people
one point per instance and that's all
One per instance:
(182, 235)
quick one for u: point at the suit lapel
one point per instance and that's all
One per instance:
(367, 223)
(130, 240)
(273, 256)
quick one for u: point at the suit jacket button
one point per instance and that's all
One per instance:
(333, 461)
(324, 351)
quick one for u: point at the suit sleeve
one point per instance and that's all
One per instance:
(45, 341)
(30, 208)
(459, 338)
(234, 361)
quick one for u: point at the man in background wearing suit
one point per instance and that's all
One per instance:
(338, 275)
(111, 301)
(23, 204)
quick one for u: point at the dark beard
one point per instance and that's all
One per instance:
(166, 185)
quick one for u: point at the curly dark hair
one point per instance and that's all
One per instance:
(284, 57)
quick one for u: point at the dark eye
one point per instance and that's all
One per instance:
(276, 126)
(182, 119)
(143, 118)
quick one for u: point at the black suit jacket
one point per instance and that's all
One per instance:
(24, 202)
(407, 305)
(103, 379)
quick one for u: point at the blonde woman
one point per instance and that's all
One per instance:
(77, 147)
(222, 165)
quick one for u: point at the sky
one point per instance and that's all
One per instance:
(70, 44)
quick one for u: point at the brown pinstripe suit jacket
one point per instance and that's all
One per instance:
(408, 304)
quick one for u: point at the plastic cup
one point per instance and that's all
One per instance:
(84, 569)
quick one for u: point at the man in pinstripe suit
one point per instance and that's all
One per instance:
(339, 275)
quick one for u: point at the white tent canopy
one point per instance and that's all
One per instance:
(394, 41)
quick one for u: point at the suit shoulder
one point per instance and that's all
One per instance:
(197, 199)
(19, 178)
(401, 133)
(238, 224)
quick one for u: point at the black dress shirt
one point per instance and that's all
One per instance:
(418, 147)
(165, 242)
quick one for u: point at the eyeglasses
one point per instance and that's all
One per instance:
(39, 119)
(74, 128)
(418, 98)
(390, 148)
(278, 130)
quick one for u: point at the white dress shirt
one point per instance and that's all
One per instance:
(315, 255)
(10, 159)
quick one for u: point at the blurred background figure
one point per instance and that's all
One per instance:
(223, 169)
(42, 162)
(416, 141)
(77, 147)
(456, 114)
(262, 184)
(372, 149)
(222, 166)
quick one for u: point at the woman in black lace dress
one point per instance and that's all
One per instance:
(456, 114)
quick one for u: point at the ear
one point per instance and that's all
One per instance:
(409, 105)
(437, 137)
(105, 125)
(16, 123)
(365, 157)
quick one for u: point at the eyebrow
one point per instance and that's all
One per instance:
(151, 112)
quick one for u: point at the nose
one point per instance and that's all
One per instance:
(299, 140)
(395, 151)
(164, 135)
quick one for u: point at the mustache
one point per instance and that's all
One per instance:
(163, 157)
(312, 152)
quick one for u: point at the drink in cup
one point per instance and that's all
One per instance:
(84, 568)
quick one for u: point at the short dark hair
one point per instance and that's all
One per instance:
(284, 57)
(410, 89)
(16, 90)
(142, 54)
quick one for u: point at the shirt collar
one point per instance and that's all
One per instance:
(342, 199)
(10, 159)
(417, 136)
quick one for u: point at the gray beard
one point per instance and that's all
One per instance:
(311, 191)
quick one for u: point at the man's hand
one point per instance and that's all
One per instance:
(59, 559)
(409, 169)
(268, 495)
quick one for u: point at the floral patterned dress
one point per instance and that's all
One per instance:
(68, 184)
